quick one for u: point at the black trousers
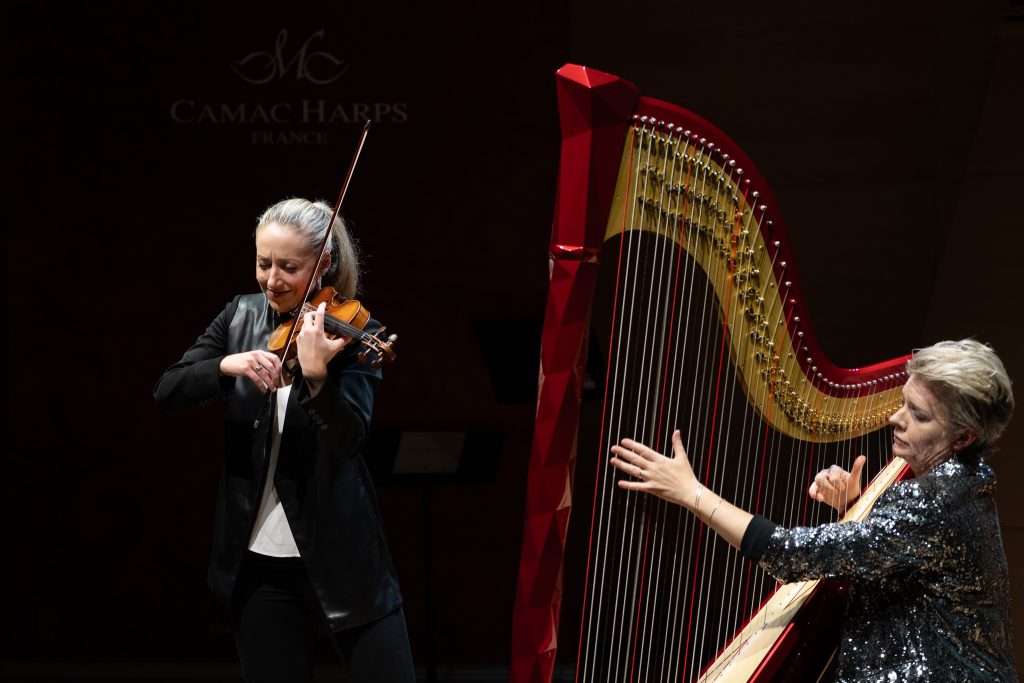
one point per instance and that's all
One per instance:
(274, 613)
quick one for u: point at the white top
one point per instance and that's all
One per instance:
(271, 535)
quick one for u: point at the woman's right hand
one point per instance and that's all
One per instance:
(263, 368)
(670, 479)
(836, 487)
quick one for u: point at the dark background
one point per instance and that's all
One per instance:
(889, 132)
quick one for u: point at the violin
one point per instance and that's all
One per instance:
(342, 318)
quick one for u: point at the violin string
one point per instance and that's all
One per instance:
(335, 325)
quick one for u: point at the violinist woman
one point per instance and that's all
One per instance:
(929, 593)
(297, 533)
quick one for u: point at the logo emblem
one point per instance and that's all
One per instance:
(317, 67)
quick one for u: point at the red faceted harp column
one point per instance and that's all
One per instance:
(594, 109)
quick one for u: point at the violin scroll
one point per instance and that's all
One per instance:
(381, 347)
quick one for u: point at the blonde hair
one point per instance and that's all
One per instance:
(971, 383)
(312, 219)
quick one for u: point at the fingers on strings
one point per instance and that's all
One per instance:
(629, 460)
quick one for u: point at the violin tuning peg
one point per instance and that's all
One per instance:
(362, 356)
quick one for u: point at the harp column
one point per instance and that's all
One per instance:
(594, 110)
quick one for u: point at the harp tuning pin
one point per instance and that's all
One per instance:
(756, 195)
(671, 126)
(814, 368)
(763, 207)
(797, 319)
(778, 244)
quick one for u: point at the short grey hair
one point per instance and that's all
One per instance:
(312, 219)
(971, 383)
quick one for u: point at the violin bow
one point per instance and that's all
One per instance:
(330, 230)
(320, 256)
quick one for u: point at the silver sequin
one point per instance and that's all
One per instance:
(929, 587)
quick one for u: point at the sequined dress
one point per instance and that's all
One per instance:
(929, 587)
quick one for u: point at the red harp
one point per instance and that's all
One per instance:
(674, 303)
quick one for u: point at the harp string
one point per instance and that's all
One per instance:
(705, 416)
(600, 530)
(764, 446)
(707, 471)
(670, 515)
(651, 357)
(630, 314)
(677, 517)
(656, 520)
(648, 383)
(673, 262)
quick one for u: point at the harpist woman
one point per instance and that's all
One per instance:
(929, 594)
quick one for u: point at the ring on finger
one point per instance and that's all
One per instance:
(258, 367)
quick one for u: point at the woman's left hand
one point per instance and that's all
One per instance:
(671, 479)
(836, 487)
(315, 350)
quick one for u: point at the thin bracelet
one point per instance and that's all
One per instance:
(696, 501)
(720, 501)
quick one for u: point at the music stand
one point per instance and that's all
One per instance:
(429, 458)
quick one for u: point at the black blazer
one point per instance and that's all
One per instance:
(321, 479)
